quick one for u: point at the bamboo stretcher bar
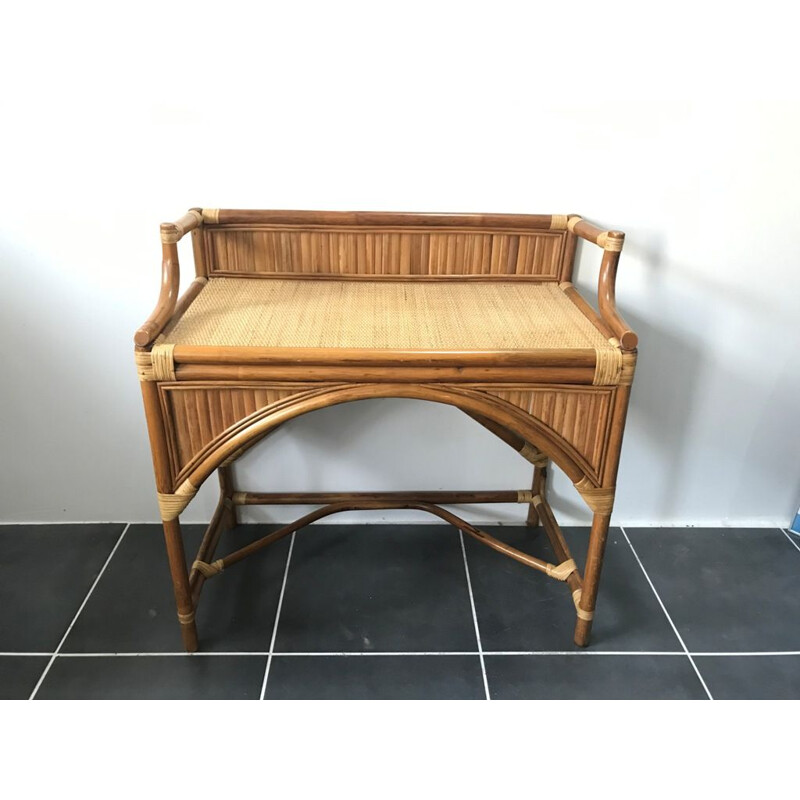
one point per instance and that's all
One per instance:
(213, 531)
(560, 571)
(556, 539)
(320, 498)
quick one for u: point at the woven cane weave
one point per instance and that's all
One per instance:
(242, 312)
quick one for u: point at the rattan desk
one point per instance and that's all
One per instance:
(292, 311)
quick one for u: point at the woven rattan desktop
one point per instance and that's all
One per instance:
(292, 311)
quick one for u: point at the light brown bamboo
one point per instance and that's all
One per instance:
(554, 534)
(229, 216)
(335, 508)
(568, 259)
(589, 231)
(353, 357)
(184, 301)
(452, 277)
(180, 582)
(227, 490)
(178, 229)
(413, 375)
(238, 437)
(591, 579)
(157, 433)
(614, 438)
(315, 498)
(199, 250)
(207, 547)
(167, 298)
(572, 293)
(538, 487)
(607, 301)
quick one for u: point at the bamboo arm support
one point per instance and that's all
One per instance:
(167, 298)
(606, 298)
(611, 242)
(171, 233)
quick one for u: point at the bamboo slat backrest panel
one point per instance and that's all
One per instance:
(374, 250)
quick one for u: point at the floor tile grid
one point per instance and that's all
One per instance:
(474, 616)
(788, 534)
(78, 613)
(669, 618)
(480, 651)
(277, 618)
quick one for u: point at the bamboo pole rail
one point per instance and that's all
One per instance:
(325, 498)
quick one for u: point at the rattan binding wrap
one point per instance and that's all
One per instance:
(209, 570)
(601, 501)
(576, 598)
(534, 455)
(171, 505)
(144, 365)
(563, 570)
(163, 363)
(609, 366)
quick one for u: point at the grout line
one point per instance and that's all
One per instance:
(277, 618)
(474, 616)
(9, 654)
(666, 613)
(415, 653)
(584, 653)
(786, 534)
(165, 655)
(356, 654)
(75, 618)
(766, 653)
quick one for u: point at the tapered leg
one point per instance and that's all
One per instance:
(180, 583)
(591, 578)
(539, 487)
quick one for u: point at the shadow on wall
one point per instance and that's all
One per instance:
(662, 398)
(736, 422)
(666, 385)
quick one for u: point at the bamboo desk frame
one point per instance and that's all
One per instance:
(212, 389)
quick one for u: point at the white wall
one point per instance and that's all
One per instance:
(114, 121)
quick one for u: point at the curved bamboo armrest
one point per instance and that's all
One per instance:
(611, 242)
(171, 234)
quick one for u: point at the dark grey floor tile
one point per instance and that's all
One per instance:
(751, 677)
(132, 609)
(725, 589)
(376, 588)
(586, 676)
(375, 678)
(45, 573)
(19, 674)
(521, 609)
(154, 678)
